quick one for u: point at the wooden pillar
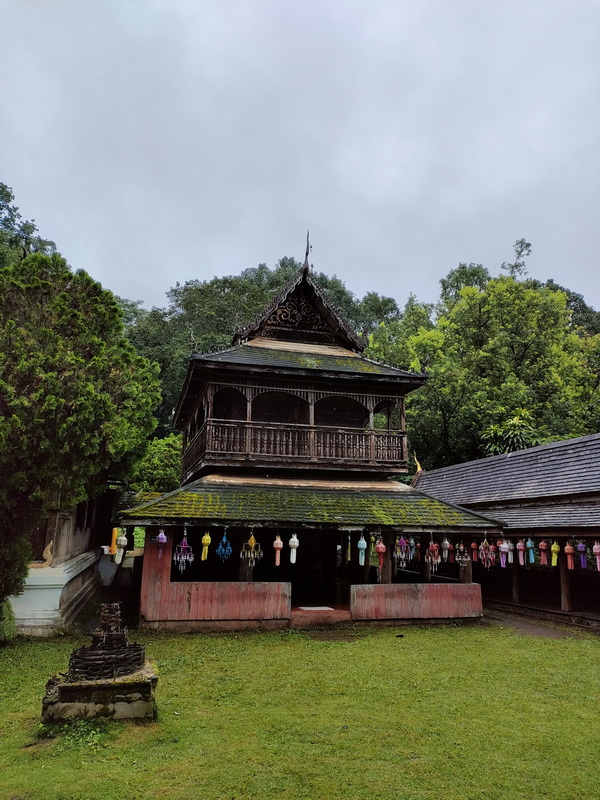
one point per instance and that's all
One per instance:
(565, 580)
(311, 422)
(425, 568)
(465, 571)
(386, 571)
(515, 579)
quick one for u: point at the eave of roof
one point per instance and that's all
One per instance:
(282, 502)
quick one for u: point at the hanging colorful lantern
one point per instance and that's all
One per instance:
(206, 540)
(462, 554)
(445, 548)
(493, 551)
(530, 545)
(277, 544)
(555, 550)
(294, 544)
(224, 549)
(543, 548)
(412, 548)
(503, 548)
(569, 550)
(485, 554)
(380, 549)
(161, 541)
(251, 551)
(121, 545)
(521, 549)
(402, 552)
(582, 550)
(113, 542)
(511, 552)
(372, 543)
(474, 549)
(362, 547)
(432, 555)
(349, 547)
(183, 555)
(450, 553)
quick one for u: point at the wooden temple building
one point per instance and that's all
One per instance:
(288, 502)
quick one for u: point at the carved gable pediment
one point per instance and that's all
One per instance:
(301, 313)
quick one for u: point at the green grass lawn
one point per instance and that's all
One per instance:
(441, 712)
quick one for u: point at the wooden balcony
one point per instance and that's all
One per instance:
(233, 443)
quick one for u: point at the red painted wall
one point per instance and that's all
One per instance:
(415, 601)
(163, 600)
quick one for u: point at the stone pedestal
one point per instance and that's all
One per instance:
(125, 697)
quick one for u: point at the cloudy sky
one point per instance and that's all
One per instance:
(158, 141)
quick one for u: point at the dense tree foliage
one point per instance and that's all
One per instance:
(76, 400)
(160, 468)
(506, 367)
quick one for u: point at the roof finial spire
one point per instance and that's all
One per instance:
(305, 266)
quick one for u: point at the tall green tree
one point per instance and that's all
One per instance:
(497, 350)
(76, 401)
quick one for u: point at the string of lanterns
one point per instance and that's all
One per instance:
(405, 551)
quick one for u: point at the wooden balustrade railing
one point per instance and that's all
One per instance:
(314, 444)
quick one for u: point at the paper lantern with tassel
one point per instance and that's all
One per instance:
(294, 544)
(277, 544)
(569, 551)
(596, 552)
(362, 548)
(582, 550)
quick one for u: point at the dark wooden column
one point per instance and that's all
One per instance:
(465, 570)
(515, 578)
(565, 579)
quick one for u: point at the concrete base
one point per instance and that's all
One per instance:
(125, 697)
(53, 596)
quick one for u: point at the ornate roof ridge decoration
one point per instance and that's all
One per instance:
(301, 310)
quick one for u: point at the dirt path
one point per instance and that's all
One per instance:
(527, 626)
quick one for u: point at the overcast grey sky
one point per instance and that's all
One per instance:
(163, 140)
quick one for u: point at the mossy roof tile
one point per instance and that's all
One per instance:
(297, 505)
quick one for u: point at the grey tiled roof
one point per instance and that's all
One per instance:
(246, 354)
(568, 467)
(551, 517)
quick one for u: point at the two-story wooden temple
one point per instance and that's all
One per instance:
(287, 500)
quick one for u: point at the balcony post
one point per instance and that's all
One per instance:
(248, 421)
(311, 422)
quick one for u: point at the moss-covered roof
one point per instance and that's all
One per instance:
(249, 355)
(279, 503)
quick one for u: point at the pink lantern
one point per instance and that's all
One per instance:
(596, 552)
(569, 550)
(543, 548)
(380, 549)
(277, 544)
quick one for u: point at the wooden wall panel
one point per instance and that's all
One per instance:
(162, 599)
(415, 601)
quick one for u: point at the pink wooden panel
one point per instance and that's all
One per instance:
(162, 599)
(415, 601)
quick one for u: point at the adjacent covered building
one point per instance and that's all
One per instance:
(545, 497)
(292, 443)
